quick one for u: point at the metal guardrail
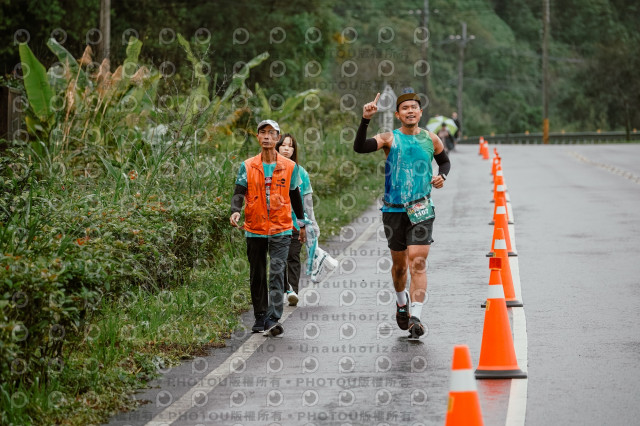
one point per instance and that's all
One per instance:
(557, 138)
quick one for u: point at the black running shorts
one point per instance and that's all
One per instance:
(400, 232)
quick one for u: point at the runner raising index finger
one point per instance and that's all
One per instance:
(408, 213)
(371, 108)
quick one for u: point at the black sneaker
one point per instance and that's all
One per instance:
(258, 326)
(402, 314)
(272, 327)
(416, 329)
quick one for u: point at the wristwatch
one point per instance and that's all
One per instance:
(444, 177)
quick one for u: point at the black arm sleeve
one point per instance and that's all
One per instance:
(444, 165)
(238, 198)
(363, 145)
(296, 203)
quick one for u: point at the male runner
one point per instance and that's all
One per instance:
(407, 213)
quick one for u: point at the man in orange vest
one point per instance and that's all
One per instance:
(269, 184)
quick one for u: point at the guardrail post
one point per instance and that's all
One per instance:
(10, 117)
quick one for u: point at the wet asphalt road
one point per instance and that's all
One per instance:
(342, 359)
(578, 233)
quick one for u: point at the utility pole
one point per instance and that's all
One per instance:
(462, 41)
(105, 29)
(545, 71)
(425, 24)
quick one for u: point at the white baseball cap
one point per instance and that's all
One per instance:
(269, 123)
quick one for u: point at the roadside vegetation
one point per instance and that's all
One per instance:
(116, 257)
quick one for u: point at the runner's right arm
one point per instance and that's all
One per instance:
(361, 144)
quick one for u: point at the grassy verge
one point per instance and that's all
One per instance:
(133, 339)
(163, 280)
(116, 257)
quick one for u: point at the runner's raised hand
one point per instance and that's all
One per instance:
(371, 108)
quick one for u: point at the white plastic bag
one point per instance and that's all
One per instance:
(319, 262)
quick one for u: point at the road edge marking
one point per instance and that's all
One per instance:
(517, 407)
(244, 351)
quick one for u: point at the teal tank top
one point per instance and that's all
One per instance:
(408, 169)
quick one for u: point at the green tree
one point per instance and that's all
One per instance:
(35, 21)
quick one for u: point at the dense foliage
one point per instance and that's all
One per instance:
(594, 51)
(119, 189)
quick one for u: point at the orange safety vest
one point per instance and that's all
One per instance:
(277, 218)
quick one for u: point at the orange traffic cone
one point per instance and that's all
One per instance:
(485, 151)
(500, 250)
(464, 405)
(480, 145)
(498, 179)
(495, 163)
(497, 353)
(500, 221)
(501, 192)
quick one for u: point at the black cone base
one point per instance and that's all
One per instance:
(510, 304)
(500, 374)
(510, 254)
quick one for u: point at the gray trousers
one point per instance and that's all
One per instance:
(293, 262)
(268, 300)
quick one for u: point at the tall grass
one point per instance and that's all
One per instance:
(116, 258)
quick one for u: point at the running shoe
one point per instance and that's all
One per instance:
(258, 326)
(416, 329)
(272, 327)
(402, 314)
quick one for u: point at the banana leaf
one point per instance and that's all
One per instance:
(238, 79)
(133, 50)
(237, 84)
(265, 107)
(36, 83)
(291, 104)
(202, 87)
(289, 108)
(68, 60)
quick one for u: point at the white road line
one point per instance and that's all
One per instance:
(608, 167)
(517, 409)
(183, 404)
(515, 277)
(362, 238)
(512, 234)
(173, 412)
(510, 214)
